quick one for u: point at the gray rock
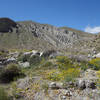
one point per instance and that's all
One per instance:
(97, 55)
(10, 60)
(52, 85)
(63, 97)
(84, 83)
(27, 54)
(81, 84)
(24, 64)
(14, 54)
(23, 83)
(49, 53)
(90, 84)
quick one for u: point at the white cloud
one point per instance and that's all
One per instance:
(92, 29)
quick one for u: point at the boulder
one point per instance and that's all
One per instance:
(85, 83)
(23, 83)
(24, 64)
(27, 53)
(48, 53)
(53, 85)
(97, 55)
(14, 54)
(10, 60)
(90, 84)
(81, 84)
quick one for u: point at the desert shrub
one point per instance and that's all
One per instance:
(98, 80)
(64, 75)
(34, 60)
(71, 74)
(95, 63)
(45, 87)
(47, 53)
(15, 91)
(52, 75)
(98, 73)
(3, 94)
(67, 70)
(84, 66)
(64, 62)
(3, 53)
(9, 73)
(47, 64)
(23, 58)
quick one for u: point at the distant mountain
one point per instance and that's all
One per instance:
(32, 35)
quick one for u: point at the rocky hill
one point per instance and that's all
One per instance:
(32, 35)
(44, 62)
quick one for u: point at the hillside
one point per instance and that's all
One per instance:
(32, 35)
(44, 62)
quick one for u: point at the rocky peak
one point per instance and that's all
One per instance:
(7, 24)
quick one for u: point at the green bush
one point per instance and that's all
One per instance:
(95, 63)
(3, 94)
(64, 62)
(47, 65)
(45, 87)
(23, 58)
(63, 75)
(84, 66)
(9, 73)
(71, 74)
(34, 60)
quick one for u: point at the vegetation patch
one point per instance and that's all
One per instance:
(95, 63)
(64, 63)
(3, 94)
(9, 73)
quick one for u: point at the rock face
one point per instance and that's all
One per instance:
(7, 24)
(24, 64)
(53, 35)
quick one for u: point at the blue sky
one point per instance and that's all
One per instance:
(78, 14)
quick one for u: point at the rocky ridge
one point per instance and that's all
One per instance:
(32, 35)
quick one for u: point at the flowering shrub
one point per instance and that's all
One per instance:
(64, 62)
(66, 71)
(64, 75)
(71, 74)
(95, 63)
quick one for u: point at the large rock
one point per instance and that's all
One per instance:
(10, 60)
(83, 84)
(53, 85)
(24, 64)
(97, 55)
(90, 84)
(23, 83)
(49, 53)
(14, 54)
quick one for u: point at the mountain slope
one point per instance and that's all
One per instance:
(32, 35)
